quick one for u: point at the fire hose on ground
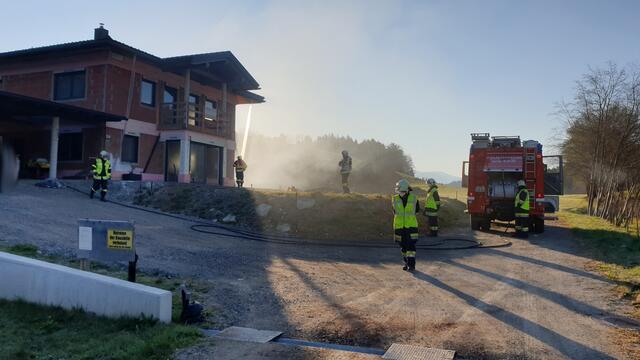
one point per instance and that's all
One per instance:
(237, 233)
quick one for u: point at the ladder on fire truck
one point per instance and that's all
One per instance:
(530, 166)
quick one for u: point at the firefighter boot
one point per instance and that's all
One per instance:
(103, 195)
(406, 265)
(411, 263)
(91, 193)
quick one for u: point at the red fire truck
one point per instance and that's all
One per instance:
(495, 166)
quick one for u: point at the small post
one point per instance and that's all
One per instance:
(84, 265)
(132, 269)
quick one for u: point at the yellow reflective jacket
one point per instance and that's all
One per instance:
(432, 204)
(522, 201)
(101, 169)
(405, 216)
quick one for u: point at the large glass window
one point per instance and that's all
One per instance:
(148, 93)
(70, 147)
(69, 85)
(172, 164)
(204, 163)
(130, 149)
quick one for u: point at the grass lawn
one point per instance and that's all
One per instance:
(332, 216)
(617, 251)
(42, 332)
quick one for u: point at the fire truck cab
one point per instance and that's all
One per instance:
(495, 166)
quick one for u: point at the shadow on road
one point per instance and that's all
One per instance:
(568, 302)
(568, 347)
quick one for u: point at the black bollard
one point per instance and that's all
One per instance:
(132, 269)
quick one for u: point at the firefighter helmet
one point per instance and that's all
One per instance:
(431, 182)
(521, 183)
(104, 153)
(345, 153)
(402, 185)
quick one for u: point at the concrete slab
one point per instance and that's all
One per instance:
(247, 334)
(51, 284)
(412, 352)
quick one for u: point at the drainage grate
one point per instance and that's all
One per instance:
(411, 352)
(248, 334)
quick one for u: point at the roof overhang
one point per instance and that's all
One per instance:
(217, 67)
(250, 98)
(19, 107)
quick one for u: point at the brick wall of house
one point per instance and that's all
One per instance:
(108, 79)
(108, 83)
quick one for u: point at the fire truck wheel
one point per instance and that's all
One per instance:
(477, 222)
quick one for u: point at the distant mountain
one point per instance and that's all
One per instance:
(439, 176)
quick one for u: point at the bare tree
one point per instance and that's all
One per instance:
(603, 141)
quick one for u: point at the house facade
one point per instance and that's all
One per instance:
(179, 111)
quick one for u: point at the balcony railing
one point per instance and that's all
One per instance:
(179, 116)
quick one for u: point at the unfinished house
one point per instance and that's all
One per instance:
(170, 119)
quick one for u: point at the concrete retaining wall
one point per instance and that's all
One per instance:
(50, 284)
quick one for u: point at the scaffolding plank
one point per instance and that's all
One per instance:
(412, 352)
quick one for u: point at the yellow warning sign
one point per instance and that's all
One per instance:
(120, 239)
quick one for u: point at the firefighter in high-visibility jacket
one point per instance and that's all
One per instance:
(101, 170)
(521, 205)
(240, 166)
(431, 207)
(405, 223)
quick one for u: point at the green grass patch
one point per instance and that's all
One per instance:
(41, 332)
(616, 250)
(24, 250)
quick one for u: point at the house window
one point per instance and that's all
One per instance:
(210, 110)
(70, 147)
(170, 95)
(148, 93)
(69, 85)
(130, 149)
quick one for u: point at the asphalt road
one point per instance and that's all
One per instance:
(533, 300)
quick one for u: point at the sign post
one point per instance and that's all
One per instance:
(107, 241)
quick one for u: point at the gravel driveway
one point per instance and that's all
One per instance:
(533, 300)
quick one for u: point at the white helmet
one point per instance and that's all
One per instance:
(431, 182)
(521, 183)
(104, 153)
(402, 185)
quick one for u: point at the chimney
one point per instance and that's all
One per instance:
(101, 33)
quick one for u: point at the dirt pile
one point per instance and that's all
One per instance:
(312, 215)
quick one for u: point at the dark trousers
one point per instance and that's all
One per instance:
(240, 178)
(99, 185)
(408, 249)
(522, 226)
(433, 225)
(345, 183)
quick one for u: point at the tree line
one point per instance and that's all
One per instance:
(602, 143)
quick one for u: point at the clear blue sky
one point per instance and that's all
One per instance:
(423, 74)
